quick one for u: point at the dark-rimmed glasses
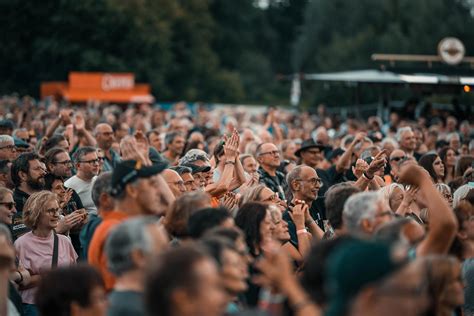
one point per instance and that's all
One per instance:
(92, 161)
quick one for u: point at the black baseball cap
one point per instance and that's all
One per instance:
(130, 170)
(196, 168)
(7, 124)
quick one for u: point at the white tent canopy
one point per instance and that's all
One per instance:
(379, 76)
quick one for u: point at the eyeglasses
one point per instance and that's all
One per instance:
(9, 147)
(93, 161)
(313, 181)
(54, 211)
(65, 162)
(273, 153)
(397, 158)
(272, 198)
(8, 205)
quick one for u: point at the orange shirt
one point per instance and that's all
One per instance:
(214, 201)
(96, 254)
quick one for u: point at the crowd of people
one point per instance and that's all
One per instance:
(112, 210)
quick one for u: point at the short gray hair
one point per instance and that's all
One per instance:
(124, 239)
(81, 152)
(358, 207)
(194, 155)
(101, 185)
(401, 131)
(292, 176)
(451, 135)
(6, 138)
(389, 140)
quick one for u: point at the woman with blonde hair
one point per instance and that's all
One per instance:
(281, 234)
(41, 249)
(260, 193)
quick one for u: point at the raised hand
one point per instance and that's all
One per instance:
(231, 147)
(229, 201)
(130, 150)
(377, 163)
(359, 137)
(360, 167)
(142, 143)
(65, 116)
(79, 123)
(298, 215)
(414, 175)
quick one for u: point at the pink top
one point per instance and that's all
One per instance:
(36, 254)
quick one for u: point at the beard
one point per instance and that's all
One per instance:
(35, 184)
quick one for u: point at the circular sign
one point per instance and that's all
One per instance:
(451, 50)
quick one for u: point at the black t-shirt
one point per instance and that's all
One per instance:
(328, 177)
(124, 303)
(292, 227)
(74, 204)
(17, 227)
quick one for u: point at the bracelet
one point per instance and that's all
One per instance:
(310, 221)
(367, 177)
(301, 231)
(230, 162)
(21, 278)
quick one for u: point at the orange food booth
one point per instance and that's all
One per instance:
(97, 86)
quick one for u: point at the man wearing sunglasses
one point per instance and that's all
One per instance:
(87, 166)
(395, 157)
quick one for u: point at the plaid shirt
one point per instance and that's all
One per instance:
(277, 184)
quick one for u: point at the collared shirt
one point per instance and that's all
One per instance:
(109, 164)
(96, 254)
(17, 227)
(277, 183)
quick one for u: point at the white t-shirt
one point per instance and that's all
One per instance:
(84, 190)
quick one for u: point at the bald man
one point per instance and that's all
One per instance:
(175, 182)
(104, 136)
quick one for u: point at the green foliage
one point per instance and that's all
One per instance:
(218, 50)
(342, 35)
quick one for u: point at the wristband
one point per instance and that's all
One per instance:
(310, 221)
(301, 231)
(230, 162)
(367, 177)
